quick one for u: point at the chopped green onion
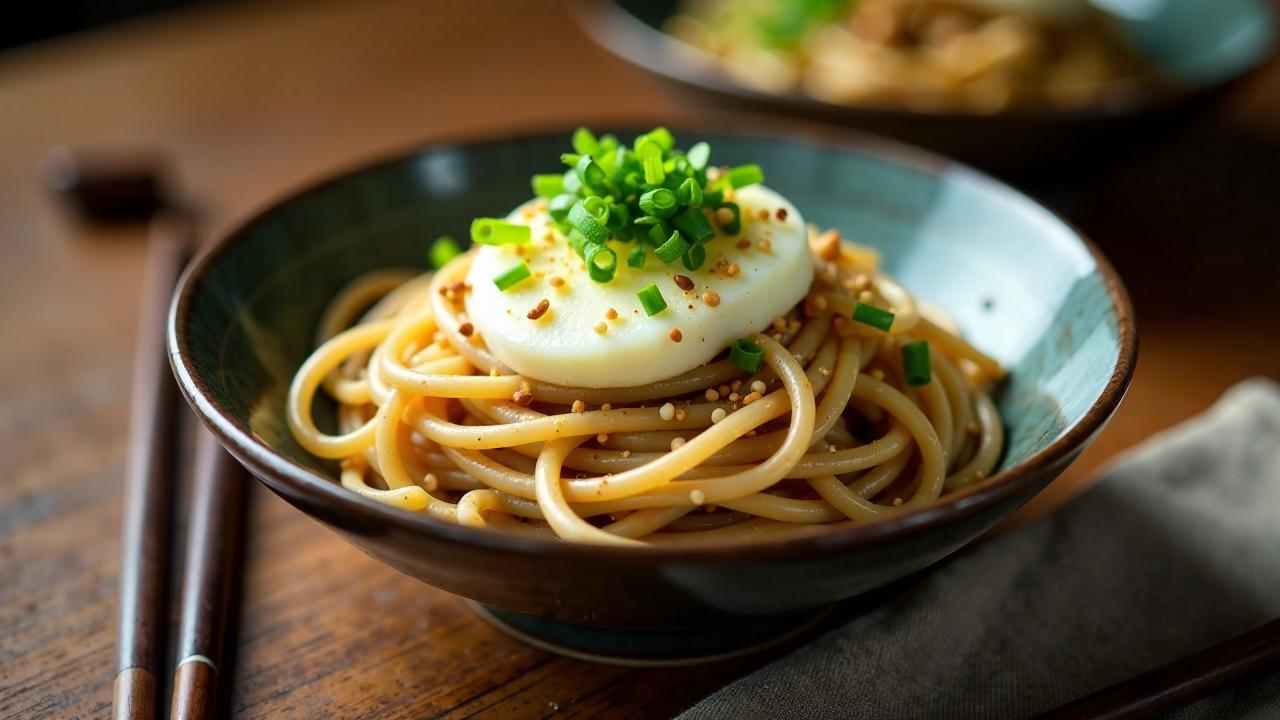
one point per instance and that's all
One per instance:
(651, 300)
(712, 198)
(602, 262)
(734, 226)
(659, 203)
(618, 217)
(584, 143)
(558, 206)
(548, 186)
(572, 184)
(597, 206)
(442, 251)
(577, 241)
(745, 175)
(694, 225)
(570, 159)
(646, 148)
(698, 156)
(635, 258)
(492, 231)
(653, 172)
(511, 276)
(694, 257)
(746, 355)
(669, 251)
(873, 316)
(690, 192)
(915, 363)
(659, 135)
(585, 222)
(591, 174)
(659, 233)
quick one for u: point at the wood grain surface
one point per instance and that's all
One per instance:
(252, 100)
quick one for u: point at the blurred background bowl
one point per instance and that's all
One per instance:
(1205, 49)
(1021, 284)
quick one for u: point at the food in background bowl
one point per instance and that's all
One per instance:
(978, 56)
(652, 349)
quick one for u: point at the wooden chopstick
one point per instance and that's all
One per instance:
(148, 486)
(1182, 681)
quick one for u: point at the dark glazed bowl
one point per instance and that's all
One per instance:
(1205, 50)
(1022, 284)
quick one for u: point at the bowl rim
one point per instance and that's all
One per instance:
(242, 442)
(630, 39)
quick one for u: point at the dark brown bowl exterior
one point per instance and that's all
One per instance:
(284, 253)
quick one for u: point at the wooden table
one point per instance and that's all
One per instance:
(255, 100)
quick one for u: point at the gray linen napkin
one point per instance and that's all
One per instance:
(1175, 549)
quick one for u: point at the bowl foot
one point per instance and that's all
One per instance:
(651, 647)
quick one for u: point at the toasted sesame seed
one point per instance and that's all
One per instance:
(579, 406)
(680, 414)
(734, 397)
(731, 269)
(711, 395)
(610, 314)
(600, 327)
(825, 372)
(861, 282)
(676, 443)
(743, 244)
(763, 214)
(523, 396)
(718, 414)
(539, 310)
(736, 385)
(723, 389)
(758, 386)
(466, 329)
(750, 398)
(779, 323)
(827, 245)
(676, 335)
(711, 298)
(667, 411)
(765, 245)
(602, 438)
(897, 502)
(626, 453)
(697, 497)
(781, 214)
(878, 374)
(683, 282)
(556, 281)
(865, 296)
(724, 216)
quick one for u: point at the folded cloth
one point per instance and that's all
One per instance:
(1175, 549)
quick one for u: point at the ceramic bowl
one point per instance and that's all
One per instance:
(1203, 49)
(1023, 285)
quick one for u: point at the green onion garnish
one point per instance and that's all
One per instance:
(669, 251)
(733, 227)
(601, 262)
(587, 223)
(617, 218)
(694, 257)
(873, 316)
(591, 174)
(548, 186)
(653, 172)
(558, 206)
(745, 175)
(698, 156)
(658, 203)
(492, 231)
(442, 251)
(636, 258)
(511, 276)
(694, 225)
(690, 192)
(915, 363)
(746, 355)
(651, 300)
(584, 143)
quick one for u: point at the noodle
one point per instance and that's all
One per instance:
(427, 421)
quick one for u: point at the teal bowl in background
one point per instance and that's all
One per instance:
(1023, 286)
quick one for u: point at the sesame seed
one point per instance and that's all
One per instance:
(607, 406)
(765, 246)
(523, 396)
(743, 244)
(897, 502)
(676, 443)
(626, 453)
(731, 269)
(758, 386)
(556, 281)
(697, 497)
(711, 395)
(610, 314)
(763, 214)
(466, 329)
(972, 428)
(683, 282)
(680, 414)
(600, 327)
(824, 372)
(579, 406)
(676, 335)
(878, 374)
(734, 397)
(781, 214)
(602, 438)
(711, 298)
(827, 246)
(723, 389)
(667, 411)
(717, 415)
(539, 310)
(865, 296)
(736, 385)
(724, 216)
(779, 323)
(750, 398)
